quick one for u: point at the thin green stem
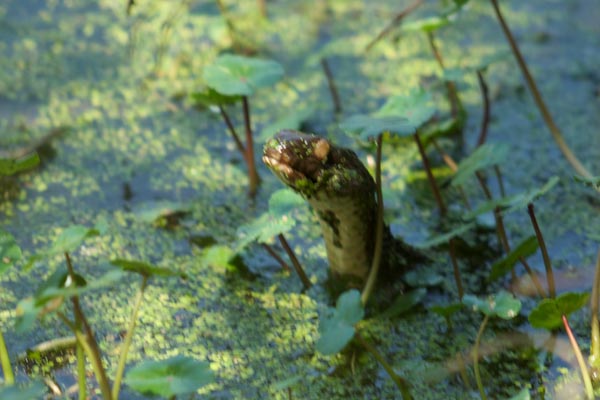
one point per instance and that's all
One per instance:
(376, 261)
(587, 382)
(395, 22)
(544, 250)
(476, 358)
(128, 338)
(398, 380)
(335, 97)
(92, 343)
(96, 362)
(81, 377)
(485, 118)
(9, 377)
(253, 178)
(539, 101)
(594, 300)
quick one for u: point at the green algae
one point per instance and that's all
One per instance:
(111, 80)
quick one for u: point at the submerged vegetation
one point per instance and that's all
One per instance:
(119, 143)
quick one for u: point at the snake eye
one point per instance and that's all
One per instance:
(321, 149)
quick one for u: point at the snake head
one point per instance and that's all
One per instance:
(298, 159)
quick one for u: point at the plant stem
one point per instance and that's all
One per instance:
(128, 337)
(500, 180)
(587, 382)
(253, 178)
(81, 376)
(262, 7)
(540, 239)
(96, 362)
(95, 356)
(430, 177)
(452, 165)
(485, 119)
(294, 260)
(457, 277)
(450, 86)
(395, 22)
(233, 133)
(376, 261)
(594, 302)
(9, 377)
(276, 256)
(398, 380)
(332, 87)
(476, 358)
(539, 101)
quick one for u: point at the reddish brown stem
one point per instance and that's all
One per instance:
(395, 22)
(277, 257)
(335, 97)
(544, 250)
(457, 276)
(294, 260)
(253, 178)
(485, 119)
(233, 133)
(430, 177)
(450, 86)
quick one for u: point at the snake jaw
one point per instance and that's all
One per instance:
(298, 159)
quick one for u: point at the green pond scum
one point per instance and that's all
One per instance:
(134, 144)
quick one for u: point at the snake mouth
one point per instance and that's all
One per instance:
(279, 164)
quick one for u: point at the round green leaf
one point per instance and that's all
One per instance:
(237, 75)
(503, 305)
(366, 126)
(417, 107)
(484, 156)
(447, 310)
(10, 252)
(211, 97)
(548, 313)
(71, 238)
(337, 326)
(175, 376)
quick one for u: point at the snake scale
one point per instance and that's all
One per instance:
(342, 192)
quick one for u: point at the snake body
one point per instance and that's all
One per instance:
(342, 192)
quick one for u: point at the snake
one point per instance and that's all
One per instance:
(342, 192)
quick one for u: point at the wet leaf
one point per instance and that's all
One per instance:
(284, 202)
(174, 376)
(403, 303)
(594, 181)
(484, 156)
(366, 127)
(503, 305)
(422, 277)
(548, 312)
(30, 391)
(144, 269)
(11, 167)
(445, 237)
(417, 107)
(263, 229)
(211, 97)
(337, 327)
(218, 256)
(520, 201)
(237, 75)
(52, 292)
(501, 267)
(10, 252)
